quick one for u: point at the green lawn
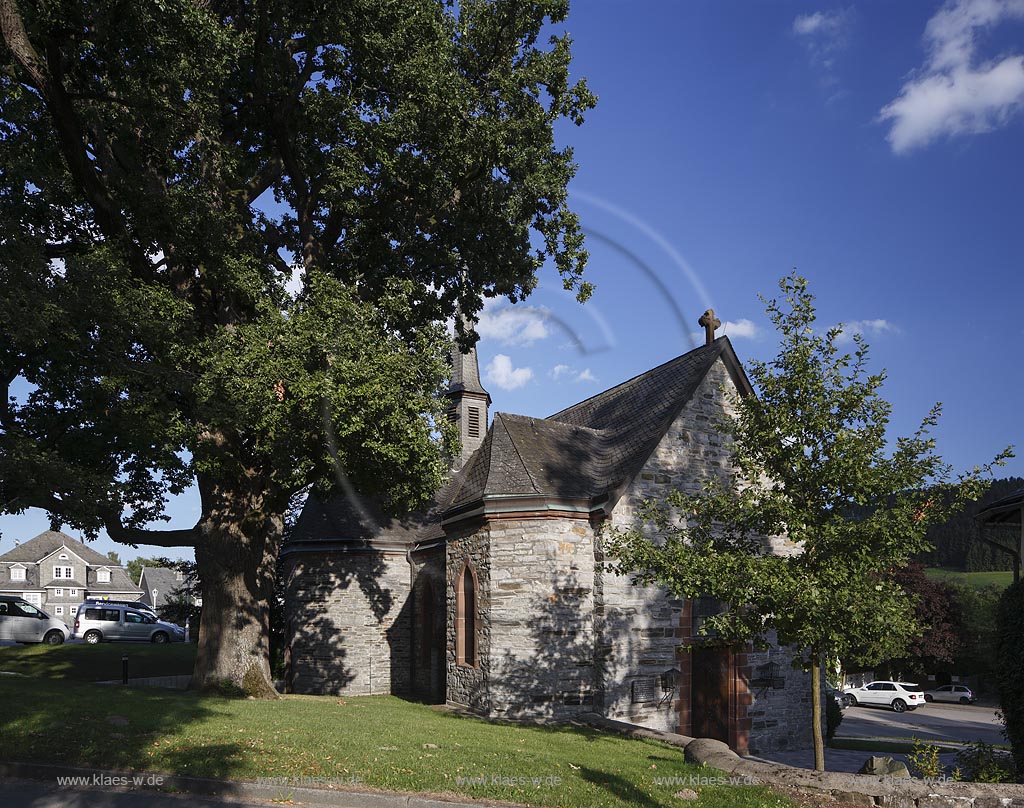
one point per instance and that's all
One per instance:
(979, 580)
(96, 663)
(370, 742)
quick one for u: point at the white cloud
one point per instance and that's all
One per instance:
(871, 328)
(736, 329)
(560, 372)
(741, 328)
(499, 371)
(512, 325)
(824, 34)
(820, 22)
(955, 93)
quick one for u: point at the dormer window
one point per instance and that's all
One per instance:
(17, 573)
(103, 576)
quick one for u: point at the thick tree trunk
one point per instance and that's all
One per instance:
(819, 746)
(236, 555)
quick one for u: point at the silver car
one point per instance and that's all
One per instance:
(20, 621)
(113, 622)
(957, 694)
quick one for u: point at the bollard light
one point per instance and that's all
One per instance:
(124, 669)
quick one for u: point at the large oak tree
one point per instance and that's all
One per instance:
(230, 234)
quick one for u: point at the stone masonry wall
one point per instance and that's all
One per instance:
(468, 685)
(429, 617)
(348, 620)
(780, 719)
(642, 622)
(647, 620)
(542, 617)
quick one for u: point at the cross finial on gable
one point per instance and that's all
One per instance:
(710, 323)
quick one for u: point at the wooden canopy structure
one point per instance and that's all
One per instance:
(1006, 512)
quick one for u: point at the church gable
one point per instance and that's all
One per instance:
(689, 451)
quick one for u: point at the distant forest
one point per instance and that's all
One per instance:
(958, 542)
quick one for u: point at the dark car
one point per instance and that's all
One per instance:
(838, 696)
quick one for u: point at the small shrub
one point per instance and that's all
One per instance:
(833, 718)
(983, 763)
(924, 761)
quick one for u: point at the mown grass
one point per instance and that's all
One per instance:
(97, 663)
(370, 742)
(978, 580)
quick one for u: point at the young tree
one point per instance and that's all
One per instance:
(809, 449)
(230, 234)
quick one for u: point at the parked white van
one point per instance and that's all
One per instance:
(22, 622)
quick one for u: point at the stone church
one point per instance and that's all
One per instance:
(497, 598)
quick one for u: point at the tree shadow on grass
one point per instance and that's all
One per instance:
(107, 727)
(622, 789)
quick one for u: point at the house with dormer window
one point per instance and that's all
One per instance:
(56, 573)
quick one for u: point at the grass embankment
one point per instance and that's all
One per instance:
(370, 742)
(97, 663)
(888, 747)
(978, 580)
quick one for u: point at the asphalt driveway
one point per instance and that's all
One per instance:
(933, 722)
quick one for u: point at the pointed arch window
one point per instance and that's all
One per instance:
(466, 617)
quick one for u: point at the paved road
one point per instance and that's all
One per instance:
(933, 722)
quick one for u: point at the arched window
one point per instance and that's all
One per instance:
(465, 618)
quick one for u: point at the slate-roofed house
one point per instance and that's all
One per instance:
(162, 587)
(56, 573)
(497, 598)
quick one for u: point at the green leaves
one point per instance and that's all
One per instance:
(231, 234)
(813, 462)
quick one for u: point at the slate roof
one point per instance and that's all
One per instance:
(340, 519)
(163, 580)
(465, 375)
(533, 457)
(45, 543)
(119, 581)
(35, 550)
(585, 452)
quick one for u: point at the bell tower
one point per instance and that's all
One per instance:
(468, 403)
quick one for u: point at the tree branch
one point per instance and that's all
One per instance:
(262, 181)
(134, 536)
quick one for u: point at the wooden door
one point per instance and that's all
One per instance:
(709, 694)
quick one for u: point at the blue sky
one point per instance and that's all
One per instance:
(875, 147)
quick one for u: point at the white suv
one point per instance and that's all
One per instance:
(898, 695)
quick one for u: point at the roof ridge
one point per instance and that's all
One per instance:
(519, 456)
(717, 345)
(549, 422)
